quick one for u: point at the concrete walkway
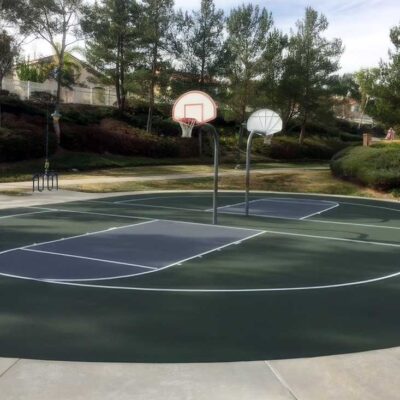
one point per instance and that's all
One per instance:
(371, 375)
(367, 376)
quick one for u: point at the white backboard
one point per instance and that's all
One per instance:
(264, 122)
(195, 105)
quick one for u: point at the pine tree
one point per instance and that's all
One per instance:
(313, 59)
(157, 43)
(112, 46)
(202, 40)
(248, 30)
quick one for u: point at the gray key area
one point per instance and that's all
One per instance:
(281, 208)
(125, 251)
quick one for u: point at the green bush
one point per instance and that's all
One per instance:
(98, 140)
(377, 166)
(288, 148)
(23, 144)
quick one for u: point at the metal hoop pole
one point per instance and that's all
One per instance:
(216, 164)
(248, 161)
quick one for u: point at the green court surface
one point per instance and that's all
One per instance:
(147, 278)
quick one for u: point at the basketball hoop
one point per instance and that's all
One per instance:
(198, 108)
(187, 125)
(265, 123)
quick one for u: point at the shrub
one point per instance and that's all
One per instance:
(377, 166)
(287, 148)
(24, 144)
(99, 140)
(42, 97)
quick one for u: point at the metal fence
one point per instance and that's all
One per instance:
(95, 95)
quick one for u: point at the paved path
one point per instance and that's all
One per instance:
(371, 375)
(367, 376)
(69, 180)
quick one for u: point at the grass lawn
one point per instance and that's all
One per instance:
(81, 165)
(305, 181)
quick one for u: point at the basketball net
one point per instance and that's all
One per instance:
(187, 125)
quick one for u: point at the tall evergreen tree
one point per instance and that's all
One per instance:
(8, 53)
(112, 45)
(313, 60)
(248, 30)
(202, 40)
(157, 42)
(386, 86)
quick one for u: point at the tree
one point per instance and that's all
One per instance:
(53, 21)
(386, 86)
(157, 41)
(247, 41)
(111, 29)
(278, 88)
(313, 60)
(201, 41)
(366, 80)
(8, 53)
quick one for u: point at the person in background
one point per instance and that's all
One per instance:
(390, 134)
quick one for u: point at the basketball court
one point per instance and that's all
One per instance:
(149, 278)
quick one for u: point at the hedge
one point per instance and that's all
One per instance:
(98, 140)
(288, 148)
(23, 144)
(377, 166)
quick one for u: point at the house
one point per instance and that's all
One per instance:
(351, 110)
(82, 84)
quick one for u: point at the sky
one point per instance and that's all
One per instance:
(363, 26)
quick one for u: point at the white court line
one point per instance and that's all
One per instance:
(216, 249)
(249, 290)
(227, 226)
(206, 195)
(166, 207)
(87, 258)
(29, 248)
(19, 215)
(319, 212)
(269, 231)
(152, 219)
(334, 238)
(368, 205)
(278, 200)
(98, 213)
(321, 221)
(199, 255)
(74, 237)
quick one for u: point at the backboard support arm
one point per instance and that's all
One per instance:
(214, 132)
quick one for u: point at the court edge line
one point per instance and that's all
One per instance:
(319, 212)
(164, 207)
(74, 237)
(253, 229)
(301, 288)
(216, 291)
(217, 248)
(206, 194)
(86, 258)
(227, 226)
(282, 200)
(156, 219)
(225, 212)
(22, 214)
